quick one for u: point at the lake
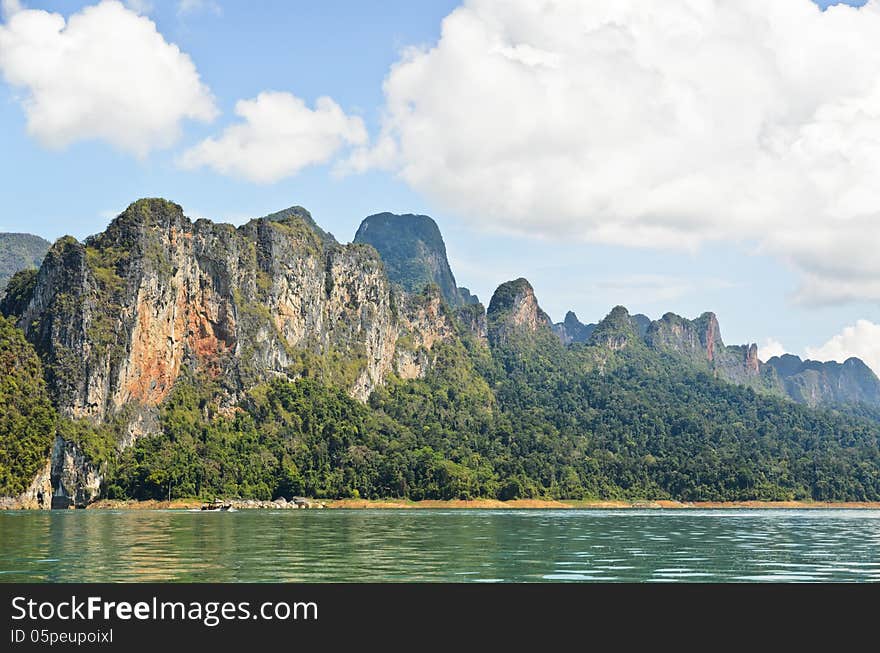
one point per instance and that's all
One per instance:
(441, 545)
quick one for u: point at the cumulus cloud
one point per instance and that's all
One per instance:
(770, 348)
(10, 7)
(105, 73)
(861, 340)
(278, 137)
(653, 124)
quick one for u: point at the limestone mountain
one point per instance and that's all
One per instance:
(700, 342)
(119, 318)
(616, 331)
(572, 330)
(816, 383)
(19, 252)
(514, 310)
(414, 254)
(186, 358)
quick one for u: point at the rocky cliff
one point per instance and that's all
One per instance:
(699, 341)
(514, 310)
(571, 330)
(117, 319)
(815, 383)
(114, 322)
(414, 254)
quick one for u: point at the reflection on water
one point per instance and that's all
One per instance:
(437, 545)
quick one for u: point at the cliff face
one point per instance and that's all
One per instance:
(37, 496)
(424, 321)
(514, 309)
(76, 482)
(414, 254)
(699, 341)
(116, 319)
(815, 383)
(571, 330)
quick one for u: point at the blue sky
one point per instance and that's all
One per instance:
(345, 50)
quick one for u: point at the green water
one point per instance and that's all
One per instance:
(441, 545)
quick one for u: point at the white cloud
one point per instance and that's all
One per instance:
(653, 124)
(278, 137)
(188, 7)
(770, 348)
(10, 7)
(861, 341)
(105, 73)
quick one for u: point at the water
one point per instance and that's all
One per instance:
(441, 545)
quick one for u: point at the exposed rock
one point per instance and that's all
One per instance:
(699, 341)
(642, 322)
(38, 496)
(514, 309)
(467, 297)
(473, 318)
(76, 481)
(116, 318)
(413, 252)
(424, 321)
(571, 330)
(815, 383)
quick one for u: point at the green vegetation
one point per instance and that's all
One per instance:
(522, 417)
(97, 442)
(27, 419)
(533, 420)
(19, 252)
(19, 291)
(106, 265)
(413, 252)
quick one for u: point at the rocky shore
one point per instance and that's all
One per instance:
(482, 504)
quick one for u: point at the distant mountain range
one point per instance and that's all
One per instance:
(182, 358)
(19, 252)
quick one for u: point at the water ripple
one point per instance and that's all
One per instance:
(457, 546)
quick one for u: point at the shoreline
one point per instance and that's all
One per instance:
(494, 504)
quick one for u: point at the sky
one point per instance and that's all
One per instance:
(683, 156)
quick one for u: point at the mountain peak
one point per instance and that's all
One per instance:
(616, 330)
(298, 216)
(816, 382)
(413, 251)
(699, 339)
(148, 211)
(571, 330)
(515, 307)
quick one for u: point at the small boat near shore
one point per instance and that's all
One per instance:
(218, 506)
